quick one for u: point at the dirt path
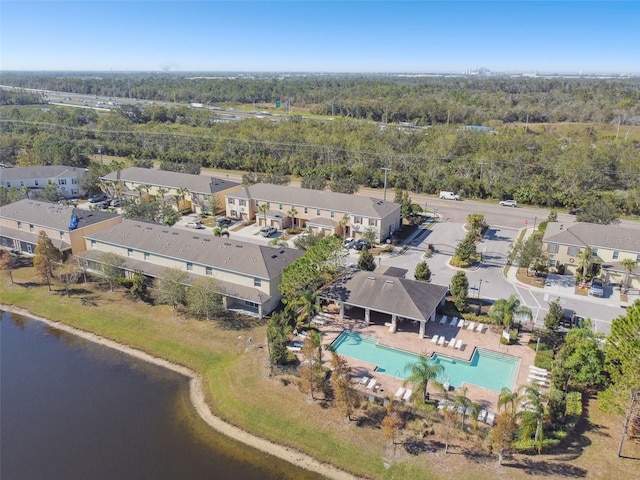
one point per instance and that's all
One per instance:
(196, 393)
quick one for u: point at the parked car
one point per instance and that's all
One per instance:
(575, 211)
(223, 222)
(509, 203)
(194, 224)
(444, 195)
(116, 202)
(360, 244)
(100, 197)
(568, 318)
(268, 231)
(349, 242)
(103, 204)
(597, 288)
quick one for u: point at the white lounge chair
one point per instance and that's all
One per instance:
(443, 320)
(441, 341)
(435, 338)
(400, 392)
(471, 326)
(491, 418)
(371, 384)
(480, 327)
(458, 344)
(364, 380)
(461, 323)
(407, 395)
(538, 370)
(482, 415)
(442, 404)
(454, 322)
(452, 342)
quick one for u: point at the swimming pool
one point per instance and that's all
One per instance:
(486, 369)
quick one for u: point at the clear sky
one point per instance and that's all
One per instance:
(332, 36)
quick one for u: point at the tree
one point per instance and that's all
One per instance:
(344, 221)
(213, 204)
(629, 265)
(422, 272)
(172, 289)
(553, 318)
(504, 311)
(466, 250)
(343, 185)
(476, 223)
(162, 192)
(277, 330)
(533, 414)
(392, 422)
(111, 267)
(314, 182)
(305, 307)
(47, 256)
(465, 406)
(49, 193)
(69, 273)
(366, 261)
(585, 260)
(221, 231)
(502, 436)
(530, 252)
(263, 209)
(292, 213)
(204, 298)
(311, 375)
(345, 395)
(598, 211)
(421, 372)
(139, 285)
(580, 361)
(460, 290)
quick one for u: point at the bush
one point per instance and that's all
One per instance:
(574, 404)
(544, 359)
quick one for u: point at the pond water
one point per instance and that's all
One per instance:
(70, 409)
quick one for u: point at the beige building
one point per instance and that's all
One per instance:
(67, 180)
(22, 221)
(177, 189)
(318, 211)
(611, 245)
(248, 274)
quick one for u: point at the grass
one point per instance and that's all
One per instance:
(240, 390)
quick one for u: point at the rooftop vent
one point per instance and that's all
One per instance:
(389, 281)
(238, 246)
(174, 233)
(165, 231)
(207, 239)
(274, 256)
(371, 278)
(196, 238)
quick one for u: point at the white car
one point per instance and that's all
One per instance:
(509, 203)
(349, 242)
(194, 224)
(267, 231)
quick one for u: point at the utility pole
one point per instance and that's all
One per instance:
(386, 169)
(100, 152)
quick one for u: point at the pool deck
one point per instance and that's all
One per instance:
(406, 338)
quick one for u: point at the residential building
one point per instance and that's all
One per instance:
(248, 274)
(22, 221)
(318, 211)
(611, 244)
(66, 179)
(183, 191)
(385, 298)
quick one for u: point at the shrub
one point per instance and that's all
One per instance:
(544, 359)
(574, 404)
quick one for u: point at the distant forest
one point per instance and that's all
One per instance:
(554, 142)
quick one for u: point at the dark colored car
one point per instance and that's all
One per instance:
(100, 197)
(223, 222)
(575, 211)
(360, 244)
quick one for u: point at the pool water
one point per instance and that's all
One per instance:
(487, 369)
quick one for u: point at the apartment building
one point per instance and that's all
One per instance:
(66, 179)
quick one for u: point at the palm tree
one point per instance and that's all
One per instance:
(344, 221)
(306, 307)
(139, 189)
(508, 401)
(263, 209)
(629, 265)
(292, 213)
(420, 374)
(534, 414)
(162, 192)
(220, 231)
(182, 194)
(464, 404)
(503, 311)
(585, 259)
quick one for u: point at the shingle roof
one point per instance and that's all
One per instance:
(32, 238)
(161, 178)
(44, 171)
(382, 293)
(200, 248)
(583, 234)
(51, 215)
(302, 197)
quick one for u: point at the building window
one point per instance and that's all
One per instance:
(62, 181)
(19, 225)
(638, 258)
(243, 203)
(553, 248)
(61, 234)
(21, 183)
(595, 251)
(280, 206)
(208, 271)
(129, 252)
(317, 211)
(257, 282)
(306, 210)
(31, 228)
(357, 220)
(230, 201)
(93, 244)
(49, 182)
(616, 254)
(74, 181)
(189, 266)
(9, 184)
(333, 214)
(553, 263)
(573, 251)
(36, 183)
(146, 255)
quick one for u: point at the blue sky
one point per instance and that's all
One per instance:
(334, 36)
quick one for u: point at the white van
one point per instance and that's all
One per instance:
(449, 196)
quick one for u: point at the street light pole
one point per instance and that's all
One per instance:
(100, 153)
(479, 298)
